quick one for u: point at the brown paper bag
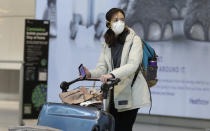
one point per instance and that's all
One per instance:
(75, 96)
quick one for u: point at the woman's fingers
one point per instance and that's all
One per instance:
(87, 72)
(103, 78)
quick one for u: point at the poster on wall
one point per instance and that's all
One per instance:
(173, 28)
(35, 66)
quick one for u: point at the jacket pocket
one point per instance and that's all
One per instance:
(123, 95)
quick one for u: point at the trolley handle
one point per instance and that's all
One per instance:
(106, 86)
(65, 85)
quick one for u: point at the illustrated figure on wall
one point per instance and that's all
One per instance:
(88, 13)
(197, 20)
(153, 19)
(50, 13)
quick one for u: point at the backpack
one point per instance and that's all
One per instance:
(148, 66)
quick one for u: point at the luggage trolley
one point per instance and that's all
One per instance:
(78, 118)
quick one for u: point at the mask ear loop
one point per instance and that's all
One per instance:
(110, 27)
(108, 21)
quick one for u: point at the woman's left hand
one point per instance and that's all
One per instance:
(104, 78)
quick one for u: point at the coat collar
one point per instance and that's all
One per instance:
(130, 35)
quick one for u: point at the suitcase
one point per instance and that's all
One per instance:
(75, 118)
(78, 118)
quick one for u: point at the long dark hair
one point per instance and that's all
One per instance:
(109, 36)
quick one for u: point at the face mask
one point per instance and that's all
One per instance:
(118, 27)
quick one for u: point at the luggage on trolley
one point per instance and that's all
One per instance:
(78, 118)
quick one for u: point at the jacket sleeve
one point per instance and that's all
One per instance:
(134, 60)
(101, 67)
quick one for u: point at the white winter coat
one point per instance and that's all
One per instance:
(125, 97)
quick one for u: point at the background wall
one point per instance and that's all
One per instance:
(177, 93)
(77, 32)
(12, 18)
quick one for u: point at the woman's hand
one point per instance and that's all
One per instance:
(104, 78)
(88, 75)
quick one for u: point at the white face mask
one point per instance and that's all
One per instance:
(118, 27)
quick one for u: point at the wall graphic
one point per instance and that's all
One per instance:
(178, 30)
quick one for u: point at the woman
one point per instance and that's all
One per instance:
(119, 59)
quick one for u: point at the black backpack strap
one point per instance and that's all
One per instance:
(134, 79)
